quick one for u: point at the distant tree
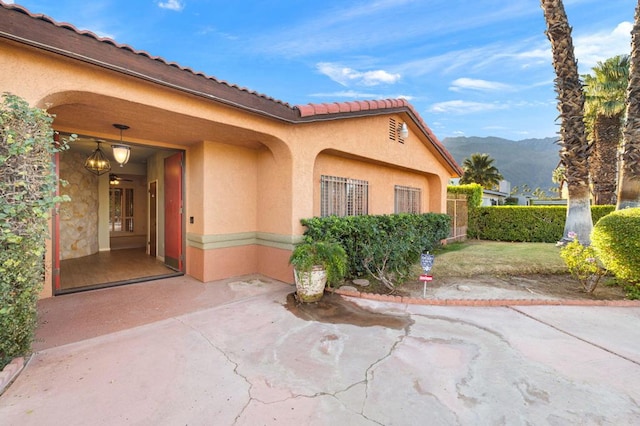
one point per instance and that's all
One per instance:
(605, 93)
(540, 194)
(629, 182)
(560, 177)
(479, 169)
(574, 149)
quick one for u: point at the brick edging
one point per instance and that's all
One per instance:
(485, 302)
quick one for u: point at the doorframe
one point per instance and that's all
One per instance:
(149, 222)
(55, 233)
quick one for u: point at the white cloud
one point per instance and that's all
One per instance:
(353, 94)
(347, 94)
(9, 1)
(600, 46)
(464, 83)
(176, 5)
(347, 76)
(464, 107)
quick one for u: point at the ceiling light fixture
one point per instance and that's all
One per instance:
(97, 162)
(121, 152)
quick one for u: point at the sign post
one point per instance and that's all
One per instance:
(426, 261)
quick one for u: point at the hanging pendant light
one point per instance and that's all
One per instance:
(121, 152)
(97, 162)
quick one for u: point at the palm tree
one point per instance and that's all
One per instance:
(574, 149)
(629, 182)
(605, 93)
(479, 169)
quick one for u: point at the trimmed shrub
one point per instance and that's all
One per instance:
(473, 191)
(384, 246)
(27, 195)
(616, 239)
(543, 224)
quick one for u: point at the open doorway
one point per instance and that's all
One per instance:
(113, 230)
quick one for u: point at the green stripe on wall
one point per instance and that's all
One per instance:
(217, 241)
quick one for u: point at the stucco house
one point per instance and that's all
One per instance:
(218, 176)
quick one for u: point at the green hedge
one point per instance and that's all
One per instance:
(616, 240)
(473, 191)
(27, 194)
(523, 223)
(391, 242)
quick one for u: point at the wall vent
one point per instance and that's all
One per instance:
(394, 134)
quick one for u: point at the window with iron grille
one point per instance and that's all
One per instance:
(407, 199)
(343, 197)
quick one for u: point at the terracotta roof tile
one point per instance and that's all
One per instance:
(350, 106)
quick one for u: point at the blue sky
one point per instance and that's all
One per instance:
(469, 67)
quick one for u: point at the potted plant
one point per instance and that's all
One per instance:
(316, 264)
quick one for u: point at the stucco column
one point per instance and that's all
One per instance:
(303, 164)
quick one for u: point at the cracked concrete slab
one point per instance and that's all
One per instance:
(255, 361)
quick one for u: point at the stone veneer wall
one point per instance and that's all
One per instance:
(78, 217)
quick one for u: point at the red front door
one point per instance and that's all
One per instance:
(173, 256)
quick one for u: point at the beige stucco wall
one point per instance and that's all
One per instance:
(381, 180)
(248, 179)
(230, 189)
(360, 147)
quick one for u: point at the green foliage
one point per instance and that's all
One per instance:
(479, 169)
(473, 191)
(633, 291)
(511, 201)
(616, 239)
(606, 89)
(27, 195)
(330, 255)
(583, 264)
(543, 224)
(384, 246)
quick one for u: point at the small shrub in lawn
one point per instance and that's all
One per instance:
(583, 264)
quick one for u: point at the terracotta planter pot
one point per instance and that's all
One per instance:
(310, 285)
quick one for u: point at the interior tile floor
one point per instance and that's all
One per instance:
(109, 268)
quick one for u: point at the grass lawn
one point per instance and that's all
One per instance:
(474, 257)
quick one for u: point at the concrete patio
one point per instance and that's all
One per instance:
(243, 352)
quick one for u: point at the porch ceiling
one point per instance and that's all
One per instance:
(95, 115)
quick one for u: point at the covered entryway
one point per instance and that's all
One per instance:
(114, 228)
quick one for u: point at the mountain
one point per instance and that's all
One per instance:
(527, 161)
